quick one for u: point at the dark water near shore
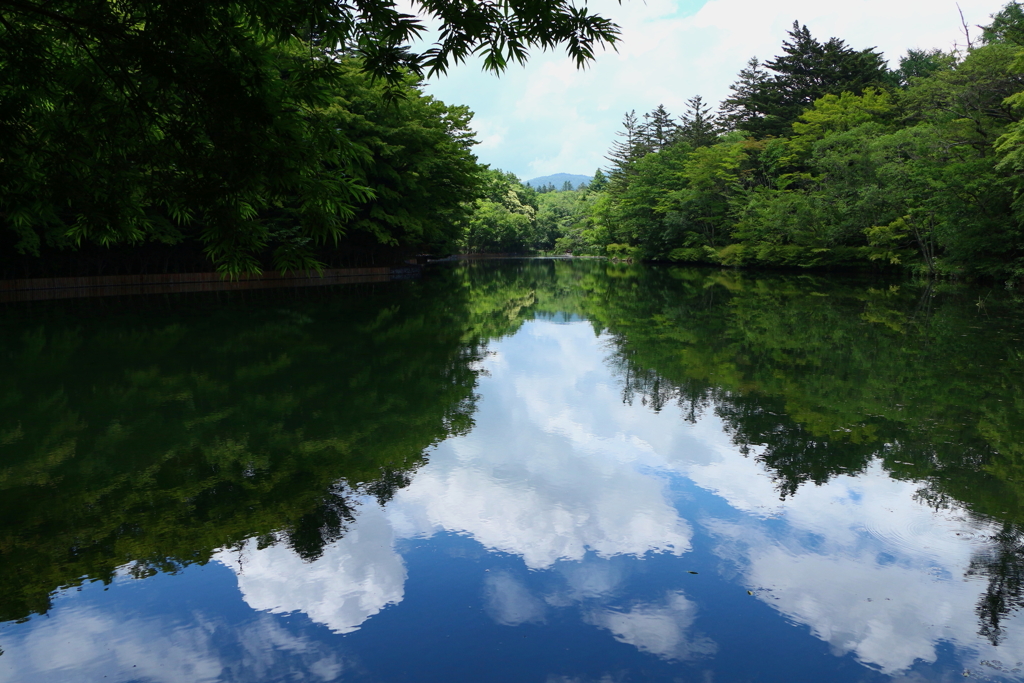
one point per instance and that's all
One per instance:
(553, 471)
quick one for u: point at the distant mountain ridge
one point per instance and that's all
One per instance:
(558, 179)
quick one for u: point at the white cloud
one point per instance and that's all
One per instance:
(558, 465)
(554, 118)
(563, 474)
(587, 580)
(531, 480)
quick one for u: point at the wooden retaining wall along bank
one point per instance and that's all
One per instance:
(37, 289)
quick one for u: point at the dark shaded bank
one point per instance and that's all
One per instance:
(37, 289)
(359, 250)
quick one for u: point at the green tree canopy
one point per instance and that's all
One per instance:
(807, 70)
(504, 218)
(134, 121)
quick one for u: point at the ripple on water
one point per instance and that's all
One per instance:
(923, 533)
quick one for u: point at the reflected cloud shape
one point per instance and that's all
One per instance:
(562, 474)
(527, 513)
(560, 465)
(870, 570)
(526, 481)
(509, 602)
(519, 483)
(662, 629)
(355, 578)
(588, 579)
(81, 644)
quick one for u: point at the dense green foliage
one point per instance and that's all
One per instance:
(825, 157)
(514, 218)
(503, 219)
(255, 132)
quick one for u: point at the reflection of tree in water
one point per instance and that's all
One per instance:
(794, 456)
(647, 387)
(786, 448)
(321, 526)
(144, 439)
(384, 487)
(328, 521)
(158, 439)
(817, 381)
(1003, 564)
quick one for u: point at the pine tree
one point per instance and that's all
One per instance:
(734, 111)
(658, 130)
(699, 127)
(626, 151)
(806, 71)
(921, 64)
(1007, 26)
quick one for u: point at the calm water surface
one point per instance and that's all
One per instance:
(547, 471)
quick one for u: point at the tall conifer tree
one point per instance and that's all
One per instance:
(806, 70)
(699, 127)
(625, 151)
(734, 111)
(658, 130)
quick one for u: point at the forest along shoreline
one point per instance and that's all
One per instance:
(826, 156)
(822, 157)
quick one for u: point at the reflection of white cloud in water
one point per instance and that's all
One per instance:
(843, 544)
(83, 645)
(663, 629)
(610, 510)
(558, 465)
(354, 579)
(588, 579)
(526, 482)
(516, 484)
(509, 602)
(870, 570)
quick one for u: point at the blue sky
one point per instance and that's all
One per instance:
(548, 117)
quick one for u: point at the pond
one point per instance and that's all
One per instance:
(560, 471)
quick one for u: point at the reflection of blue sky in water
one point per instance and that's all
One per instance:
(86, 639)
(869, 569)
(567, 486)
(558, 465)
